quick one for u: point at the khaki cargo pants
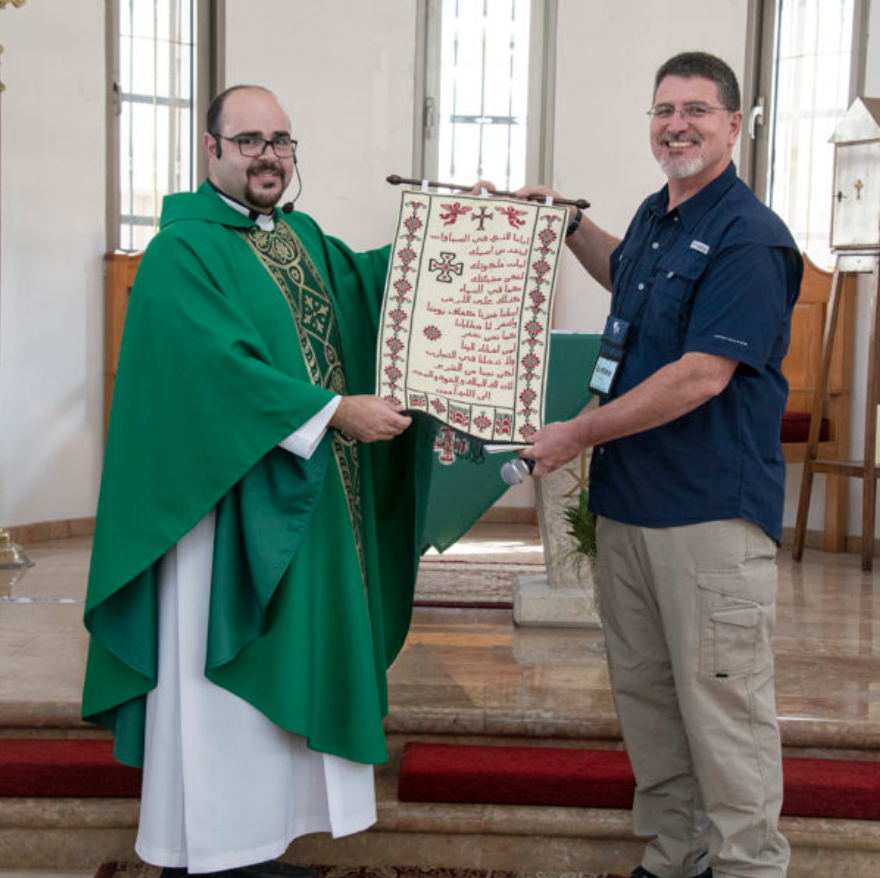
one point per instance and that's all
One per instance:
(688, 614)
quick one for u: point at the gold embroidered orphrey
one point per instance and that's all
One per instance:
(283, 256)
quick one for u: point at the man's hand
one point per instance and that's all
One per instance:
(553, 446)
(671, 392)
(541, 192)
(368, 418)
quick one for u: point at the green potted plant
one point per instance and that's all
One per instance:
(582, 525)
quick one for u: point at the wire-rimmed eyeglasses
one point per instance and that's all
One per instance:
(249, 146)
(692, 110)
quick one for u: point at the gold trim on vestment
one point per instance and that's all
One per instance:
(314, 318)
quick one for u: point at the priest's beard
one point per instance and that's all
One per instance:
(257, 195)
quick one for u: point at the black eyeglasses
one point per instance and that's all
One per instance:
(693, 110)
(283, 147)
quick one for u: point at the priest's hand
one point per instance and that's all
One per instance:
(483, 185)
(368, 418)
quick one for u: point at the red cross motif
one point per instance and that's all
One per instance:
(481, 217)
(445, 267)
(449, 445)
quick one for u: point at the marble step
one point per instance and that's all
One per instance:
(74, 834)
(82, 833)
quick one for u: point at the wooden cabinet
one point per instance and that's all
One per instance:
(120, 268)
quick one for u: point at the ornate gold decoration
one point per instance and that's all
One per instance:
(3, 5)
(314, 319)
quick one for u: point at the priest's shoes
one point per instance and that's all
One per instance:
(274, 869)
(269, 869)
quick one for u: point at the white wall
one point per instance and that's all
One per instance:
(52, 240)
(604, 84)
(345, 74)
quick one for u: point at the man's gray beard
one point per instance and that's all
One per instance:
(676, 169)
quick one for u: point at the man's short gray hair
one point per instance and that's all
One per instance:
(709, 67)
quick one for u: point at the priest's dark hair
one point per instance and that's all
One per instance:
(709, 67)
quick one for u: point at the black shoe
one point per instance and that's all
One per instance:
(275, 869)
(269, 869)
(641, 872)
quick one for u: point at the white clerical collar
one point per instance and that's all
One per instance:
(266, 221)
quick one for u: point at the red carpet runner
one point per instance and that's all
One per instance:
(832, 788)
(61, 767)
(79, 767)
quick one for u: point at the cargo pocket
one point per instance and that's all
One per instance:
(735, 623)
(735, 640)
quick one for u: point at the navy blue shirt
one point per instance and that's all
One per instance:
(719, 274)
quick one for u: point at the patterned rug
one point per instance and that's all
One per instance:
(473, 584)
(141, 870)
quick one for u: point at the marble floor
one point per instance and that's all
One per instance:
(473, 672)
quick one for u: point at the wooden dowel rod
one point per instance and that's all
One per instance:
(394, 180)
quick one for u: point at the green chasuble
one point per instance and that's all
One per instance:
(234, 338)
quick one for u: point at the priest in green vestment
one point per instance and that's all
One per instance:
(259, 519)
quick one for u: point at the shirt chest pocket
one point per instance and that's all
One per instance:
(668, 307)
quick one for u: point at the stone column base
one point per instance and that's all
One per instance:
(536, 602)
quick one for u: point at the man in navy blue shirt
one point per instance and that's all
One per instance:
(687, 480)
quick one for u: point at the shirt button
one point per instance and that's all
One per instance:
(641, 286)
(655, 245)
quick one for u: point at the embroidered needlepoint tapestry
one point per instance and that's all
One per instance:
(465, 332)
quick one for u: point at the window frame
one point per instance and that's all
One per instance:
(542, 89)
(759, 84)
(208, 73)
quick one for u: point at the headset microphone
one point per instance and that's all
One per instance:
(288, 206)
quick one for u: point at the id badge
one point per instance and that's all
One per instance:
(611, 353)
